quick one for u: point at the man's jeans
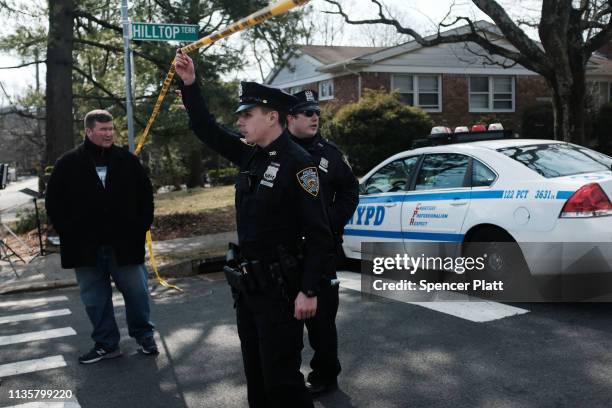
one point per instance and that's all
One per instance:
(96, 294)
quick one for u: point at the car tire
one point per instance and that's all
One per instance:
(503, 262)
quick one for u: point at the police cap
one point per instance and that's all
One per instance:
(253, 94)
(306, 100)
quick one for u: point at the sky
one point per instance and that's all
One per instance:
(422, 14)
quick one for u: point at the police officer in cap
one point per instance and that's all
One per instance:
(340, 193)
(278, 202)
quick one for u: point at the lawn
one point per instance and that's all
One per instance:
(199, 211)
(194, 201)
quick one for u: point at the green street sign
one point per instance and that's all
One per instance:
(164, 32)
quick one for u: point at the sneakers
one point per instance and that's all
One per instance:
(98, 353)
(316, 387)
(148, 346)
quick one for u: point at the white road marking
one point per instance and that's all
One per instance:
(32, 302)
(72, 403)
(48, 404)
(38, 335)
(32, 316)
(458, 305)
(29, 366)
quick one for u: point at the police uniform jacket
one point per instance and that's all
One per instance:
(339, 187)
(277, 195)
(88, 214)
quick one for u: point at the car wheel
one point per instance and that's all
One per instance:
(503, 262)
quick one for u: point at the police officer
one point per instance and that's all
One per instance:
(278, 202)
(340, 194)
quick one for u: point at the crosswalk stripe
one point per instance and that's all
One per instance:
(458, 305)
(48, 404)
(32, 302)
(32, 316)
(38, 335)
(29, 366)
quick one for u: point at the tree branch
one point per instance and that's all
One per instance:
(90, 17)
(600, 39)
(531, 59)
(26, 64)
(161, 65)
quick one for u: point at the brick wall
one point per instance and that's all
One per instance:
(455, 98)
(376, 80)
(607, 50)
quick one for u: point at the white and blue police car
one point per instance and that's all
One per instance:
(470, 189)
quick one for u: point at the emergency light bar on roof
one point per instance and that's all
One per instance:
(464, 137)
(441, 135)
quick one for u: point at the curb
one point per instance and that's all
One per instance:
(36, 286)
(179, 270)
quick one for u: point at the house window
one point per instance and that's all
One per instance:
(492, 94)
(326, 90)
(423, 91)
(295, 89)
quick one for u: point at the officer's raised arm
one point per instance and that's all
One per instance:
(202, 122)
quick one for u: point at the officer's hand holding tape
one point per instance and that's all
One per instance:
(184, 67)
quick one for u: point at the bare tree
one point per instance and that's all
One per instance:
(59, 126)
(570, 32)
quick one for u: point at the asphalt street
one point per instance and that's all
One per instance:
(393, 354)
(12, 200)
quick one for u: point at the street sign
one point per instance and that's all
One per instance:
(164, 32)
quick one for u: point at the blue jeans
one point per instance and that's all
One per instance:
(96, 294)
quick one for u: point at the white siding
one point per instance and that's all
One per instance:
(445, 58)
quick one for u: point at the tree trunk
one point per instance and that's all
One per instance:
(59, 125)
(194, 165)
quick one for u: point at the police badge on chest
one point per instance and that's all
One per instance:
(270, 175)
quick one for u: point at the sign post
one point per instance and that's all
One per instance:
(128, 72)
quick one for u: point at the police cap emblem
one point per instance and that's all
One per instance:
(309, 180)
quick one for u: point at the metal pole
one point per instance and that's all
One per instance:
(128, 72)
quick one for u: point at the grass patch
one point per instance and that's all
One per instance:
(193, 201)
(184, 225)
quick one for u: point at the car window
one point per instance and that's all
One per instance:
(482, 176)
(443, 170)
(558, 159)
(395, 176)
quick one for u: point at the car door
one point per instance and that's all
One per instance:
(378, 215)
(436, 207)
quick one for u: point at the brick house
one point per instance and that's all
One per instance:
(454, 83)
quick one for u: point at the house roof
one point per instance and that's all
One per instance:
(372, 55)
(331, 54)
(599, 66)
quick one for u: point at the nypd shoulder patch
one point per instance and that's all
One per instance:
(309, 180)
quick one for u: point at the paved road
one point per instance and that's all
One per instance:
(11, 200)
(394, 354)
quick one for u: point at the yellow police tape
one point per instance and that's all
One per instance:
(258, 17)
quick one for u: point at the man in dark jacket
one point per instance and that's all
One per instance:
(340, 194)
(100, 201)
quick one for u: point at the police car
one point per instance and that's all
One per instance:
(504, 189)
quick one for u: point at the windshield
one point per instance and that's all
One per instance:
(558, 159)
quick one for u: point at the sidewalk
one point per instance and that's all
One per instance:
(174, 257)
